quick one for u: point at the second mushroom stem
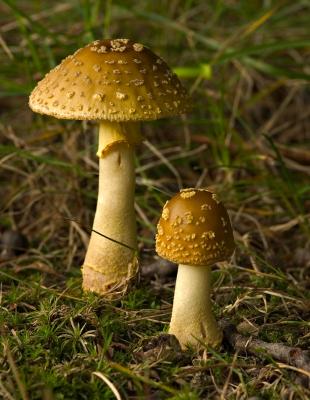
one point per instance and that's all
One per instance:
(110, 260)
(192, 316)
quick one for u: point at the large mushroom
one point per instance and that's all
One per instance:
(118, 83)
(194, 231)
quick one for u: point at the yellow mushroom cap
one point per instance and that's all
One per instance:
(194, 229)
(115, 80)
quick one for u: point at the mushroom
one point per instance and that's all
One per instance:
(118, 83)
(194, 231)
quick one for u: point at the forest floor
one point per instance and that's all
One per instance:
(246, 66)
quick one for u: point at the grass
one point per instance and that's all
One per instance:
(246, 65)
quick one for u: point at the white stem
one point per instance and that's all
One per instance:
(192, 314)
(108, 265)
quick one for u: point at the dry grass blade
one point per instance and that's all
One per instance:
(143, 379)
(291, 367)
(20, 384)
(108, 383)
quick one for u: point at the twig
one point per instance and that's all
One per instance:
(292, 356)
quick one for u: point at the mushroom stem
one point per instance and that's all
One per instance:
(110, 261)
(192, 316)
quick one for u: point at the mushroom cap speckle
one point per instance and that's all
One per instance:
(194, 229)
(112, 79)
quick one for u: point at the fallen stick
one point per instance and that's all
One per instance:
(293, 356)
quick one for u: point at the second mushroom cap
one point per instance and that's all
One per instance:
(194, 229)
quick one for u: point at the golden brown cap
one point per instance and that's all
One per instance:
(194, 229)
(116, 80)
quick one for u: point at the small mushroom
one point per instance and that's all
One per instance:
(118, 83)
(194, 231)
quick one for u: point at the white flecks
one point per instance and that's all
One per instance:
(143, 71)
(116, 71)
(87, 79)
(138, 47)
(205, 207)
(102, 49)
(124, 41)
(214, 197)
(178, 221)
(208, 235)
(159, 61)
(109, 61)
(139, 98)
(188, 217)
(155, 68)
(187, 194)
(160, 230)
(137, 82)
(70, 94)
(165, 213)
(137, 61)
(98, 96)
(122, 62)
(77, 63)
(120, 95)
(117, 45)
(96, 68)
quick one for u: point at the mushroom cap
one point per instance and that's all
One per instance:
(194, 229)
(112, 79)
